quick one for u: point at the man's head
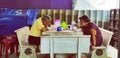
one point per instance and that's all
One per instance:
(84, 20)
(46, 19)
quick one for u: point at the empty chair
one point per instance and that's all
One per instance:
(26, 50)
(100, 52)
(9, 42)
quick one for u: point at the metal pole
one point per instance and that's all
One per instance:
(118, 35)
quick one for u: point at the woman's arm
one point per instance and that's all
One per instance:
(93, 35)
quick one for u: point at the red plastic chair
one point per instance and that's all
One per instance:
(1, 38)
(10, 41)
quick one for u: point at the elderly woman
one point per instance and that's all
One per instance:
(89, 28)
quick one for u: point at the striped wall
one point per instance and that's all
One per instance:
(100, 17)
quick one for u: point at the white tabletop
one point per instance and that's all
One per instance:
(64, 33)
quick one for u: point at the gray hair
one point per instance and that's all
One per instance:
(46, 17)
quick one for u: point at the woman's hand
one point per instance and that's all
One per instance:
(92, 48)
(77, 25)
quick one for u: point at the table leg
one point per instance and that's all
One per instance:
(79, 55)
(79, 48)
(51, 48)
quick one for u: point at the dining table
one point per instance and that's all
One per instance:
(64, 42)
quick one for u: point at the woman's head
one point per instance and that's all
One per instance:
(84, 20)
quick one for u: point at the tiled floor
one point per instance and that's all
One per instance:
(111, 51)
(44, 56)
(10, 55)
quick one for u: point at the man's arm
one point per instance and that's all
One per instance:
(43, 29)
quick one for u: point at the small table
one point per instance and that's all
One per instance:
(73, 43)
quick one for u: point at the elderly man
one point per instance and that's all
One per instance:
(37, 28)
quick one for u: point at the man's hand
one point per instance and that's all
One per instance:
(43, 29)
(49, 24)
